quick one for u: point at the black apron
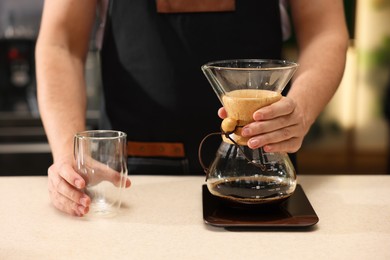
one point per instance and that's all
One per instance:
(153, 87)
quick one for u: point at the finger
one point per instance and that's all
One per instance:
(71, 176)
(66, 205)
(266, 126)
(68, 190)
(273, 137)
(222, 113)
(128, 183)
(65, 196)
(116, 178)
(288, 146)
(262, 127)
(283, 107)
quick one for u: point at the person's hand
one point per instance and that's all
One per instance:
(93, 172)
(279, 127)
(66, 187)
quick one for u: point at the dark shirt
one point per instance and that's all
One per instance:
(153, 86)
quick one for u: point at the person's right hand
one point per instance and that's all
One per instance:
(66, 188)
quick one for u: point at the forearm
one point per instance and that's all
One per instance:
(319, 74)
(61, 51)
(322, 39)
(61, 96)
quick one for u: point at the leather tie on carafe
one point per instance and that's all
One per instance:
(227, 135)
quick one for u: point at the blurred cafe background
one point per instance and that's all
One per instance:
(351, 136)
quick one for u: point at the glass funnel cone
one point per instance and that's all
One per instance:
(244, 86)
(239, 174)
(229, 75)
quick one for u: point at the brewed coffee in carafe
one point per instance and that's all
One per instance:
(239, 174)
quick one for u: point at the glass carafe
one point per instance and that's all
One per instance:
(239, 174)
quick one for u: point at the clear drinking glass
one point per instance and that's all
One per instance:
(101, 159)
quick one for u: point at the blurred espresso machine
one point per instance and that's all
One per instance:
(19, 25)
(23, 144)
(24, 149)
(17, 75)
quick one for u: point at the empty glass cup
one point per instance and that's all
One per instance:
(101, 159)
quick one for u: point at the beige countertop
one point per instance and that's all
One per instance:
(161, 218)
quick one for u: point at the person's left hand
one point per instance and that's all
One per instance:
(279, 127)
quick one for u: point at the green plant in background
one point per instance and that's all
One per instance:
(380, 3)
(380, 56)
(376, 62)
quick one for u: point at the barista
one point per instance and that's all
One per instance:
(154, 89)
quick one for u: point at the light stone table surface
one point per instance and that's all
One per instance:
(161, 218)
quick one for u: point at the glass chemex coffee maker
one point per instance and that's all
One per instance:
(240, 175)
